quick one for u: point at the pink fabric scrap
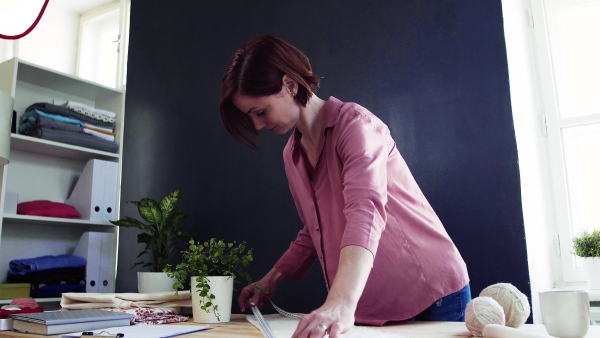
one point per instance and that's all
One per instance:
(151, 316)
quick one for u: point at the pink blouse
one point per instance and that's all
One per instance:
(362, 193)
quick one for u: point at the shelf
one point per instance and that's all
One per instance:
(63, 82)
(45, 147)
(38, 220)
(38, 300)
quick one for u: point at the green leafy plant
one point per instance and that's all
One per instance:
(211, 258)
(587, 244)
(162, 234)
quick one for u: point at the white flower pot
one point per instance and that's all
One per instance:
(222, 288)
(592, 269)
(149, 282)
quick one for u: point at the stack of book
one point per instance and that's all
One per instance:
(58, 322)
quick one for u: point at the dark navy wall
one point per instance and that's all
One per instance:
(434, 70)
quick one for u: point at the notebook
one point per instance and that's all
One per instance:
(57, 322)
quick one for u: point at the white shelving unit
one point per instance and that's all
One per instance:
(47, 170)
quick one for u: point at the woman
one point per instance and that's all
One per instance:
(384, 253)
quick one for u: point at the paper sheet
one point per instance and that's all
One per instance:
(284, 327)
(147, 331)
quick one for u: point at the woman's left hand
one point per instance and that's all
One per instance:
(336, 316)
(333, 317)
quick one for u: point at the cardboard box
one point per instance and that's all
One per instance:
(14, 290)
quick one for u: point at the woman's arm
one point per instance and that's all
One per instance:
(254, 294)
(337, 314)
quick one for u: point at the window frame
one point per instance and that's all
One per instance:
(545, 19)
(124, 8)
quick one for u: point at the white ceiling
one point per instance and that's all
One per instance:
(79, 6)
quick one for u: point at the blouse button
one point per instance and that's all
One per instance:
(317, 228)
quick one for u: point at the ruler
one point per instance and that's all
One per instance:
(263, 323)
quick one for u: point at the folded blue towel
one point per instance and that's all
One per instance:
(23, 266)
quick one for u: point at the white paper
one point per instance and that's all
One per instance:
(147, 331)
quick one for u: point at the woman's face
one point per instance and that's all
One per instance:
(278, 112)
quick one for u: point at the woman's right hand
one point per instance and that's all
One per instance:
(258, 292)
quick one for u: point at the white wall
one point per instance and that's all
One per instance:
(536, 198)
(51, 44)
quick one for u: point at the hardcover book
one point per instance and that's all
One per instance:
(57, 322)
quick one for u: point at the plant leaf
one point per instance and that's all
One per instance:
(149, 210)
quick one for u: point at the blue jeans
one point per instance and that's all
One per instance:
(450, 308)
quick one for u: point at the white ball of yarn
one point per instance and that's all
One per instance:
(514, 302)
(482, 311)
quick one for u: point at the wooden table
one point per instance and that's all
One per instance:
(239, 327)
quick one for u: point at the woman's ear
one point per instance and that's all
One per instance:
(290, 85)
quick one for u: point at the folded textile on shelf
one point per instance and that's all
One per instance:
(72, 301)
(76, 139)
(151, 316)
(49, 276)
(23, 266)
(43, 282)
(98, 134)
(32, 120)
(47, 208)
(56, 290)
(64, 111)
(96, 113)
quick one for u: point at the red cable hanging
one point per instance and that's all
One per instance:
(14, 37)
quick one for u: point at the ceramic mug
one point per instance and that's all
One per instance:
(566, 313)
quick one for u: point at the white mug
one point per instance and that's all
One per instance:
(566, 313)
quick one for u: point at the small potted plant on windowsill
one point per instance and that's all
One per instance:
(587, 246)
(211, 268)
(161, 236)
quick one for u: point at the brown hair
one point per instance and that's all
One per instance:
(257, 69)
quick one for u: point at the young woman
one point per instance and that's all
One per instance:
(384, 253)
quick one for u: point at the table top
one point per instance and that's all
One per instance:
(240, 327)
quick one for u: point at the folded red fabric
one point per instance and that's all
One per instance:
(6, 313)
(47, 208)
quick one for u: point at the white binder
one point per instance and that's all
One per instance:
(98, 250)
(107, 264)
(109, 204)
(95, 192)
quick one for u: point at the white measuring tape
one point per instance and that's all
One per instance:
(263, 323)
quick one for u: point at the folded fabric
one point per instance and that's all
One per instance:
(100, 113)
(23, 266)
(60, 118)
(49, 277)
(76, 139)
(64, 111)
(108, 130)
(98, 134)
(5, 313)
(151, 316)
(52, 291)
(71, 301)
(105, 131)
(31, 120)
(47, 208)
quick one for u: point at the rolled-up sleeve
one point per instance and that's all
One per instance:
(362, 148)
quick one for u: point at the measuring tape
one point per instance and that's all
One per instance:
(263, 323)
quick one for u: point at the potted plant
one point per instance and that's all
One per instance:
(211, 268)
(587, 246)
(161, 236)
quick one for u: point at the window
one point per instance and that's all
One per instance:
(568, 52)
(103, 44)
